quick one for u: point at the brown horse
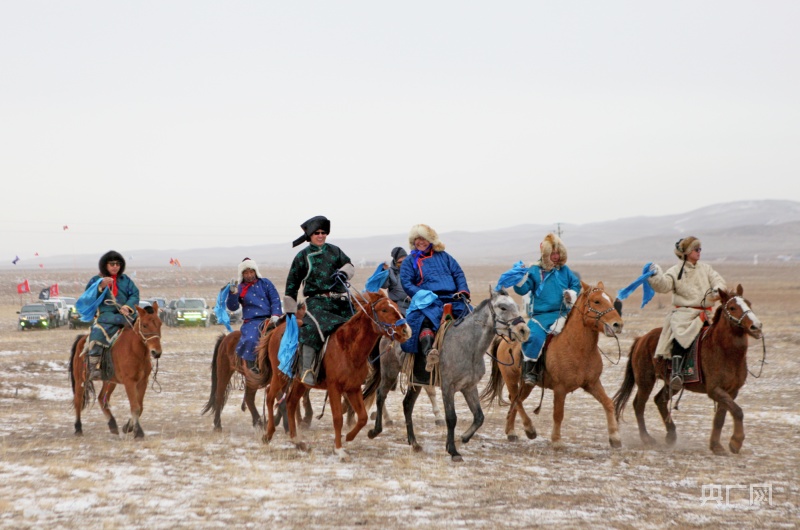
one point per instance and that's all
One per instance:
(572, 361)
(345, 365)
(722, 363)
(130, 356)
(224, 364)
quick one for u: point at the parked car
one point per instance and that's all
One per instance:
(187, 311)
(235, 316)
(58, 312)
(162, 305)
(35, 316)
(69, 302)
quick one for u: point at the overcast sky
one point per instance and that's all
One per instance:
(191, 124)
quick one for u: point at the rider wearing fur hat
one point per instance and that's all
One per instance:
(553, 289)
(260, 302)
(323, 271)
(694, 287)
(430, 274)
(117, 309)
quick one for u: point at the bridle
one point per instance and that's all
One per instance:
(503, 332)
(389, 330)
(589, 309)
(729, 316)
(144, 337)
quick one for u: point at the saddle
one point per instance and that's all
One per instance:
(414, 364)
(691, 364)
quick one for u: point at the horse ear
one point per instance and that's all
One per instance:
(584, 286)
(140, 311)
(739, 289)
(601, 286)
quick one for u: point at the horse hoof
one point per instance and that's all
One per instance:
(342, 455)
(648, 440)
(388, 423)
(671, 439)
(559, 445)
(217, 428)
(456, 458)
(441, 423)
(513, 438)
(735, 447)
(78, 433)
(372, 434)
(718, 450)
(615, 443)
(531, 434)
(302, 446)
(416, 448)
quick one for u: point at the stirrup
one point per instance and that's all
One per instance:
(676, 383)
(431, 359)
(95, 373)
(308, 378)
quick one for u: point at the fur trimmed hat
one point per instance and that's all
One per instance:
(428, 234)
(550, 244)
(684, 247)
(247, 263)
(319, 222)
(111, 255)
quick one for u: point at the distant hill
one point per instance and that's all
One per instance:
(766, 230)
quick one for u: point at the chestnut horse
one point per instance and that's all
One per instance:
(572, 361)
(722, 363)
(225, 363)
(345, 365)
(130, 356)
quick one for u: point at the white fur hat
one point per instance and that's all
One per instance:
(552, 243)
(428, 234)
(247, 263)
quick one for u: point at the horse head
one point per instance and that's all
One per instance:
(148, 326)
(386, 317)
(737, 311)
(599, 309)
(508, 321)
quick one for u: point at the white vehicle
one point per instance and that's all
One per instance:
(61, 307)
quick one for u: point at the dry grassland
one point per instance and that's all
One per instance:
(184, 475)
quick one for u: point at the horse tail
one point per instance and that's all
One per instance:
(212, 402)
(88, 386)
(494, 389)
(624, 392)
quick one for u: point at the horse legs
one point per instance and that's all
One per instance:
(308, 412)
(380, 406)
(408, 409)
(474, 404)
(725, 403)
(103, 399)
(559, 397)
(600, 395)
(644, 388)
(250, 401)
(448, 398)
(223, 379)
(517, 394)
(272, 391)
(357, 403)
(292, 400)
(662, 401)
(338, 421)
(431, 391)
(136, 410)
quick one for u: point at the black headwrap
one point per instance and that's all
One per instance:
(319, 222)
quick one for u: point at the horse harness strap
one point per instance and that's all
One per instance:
(332, 295)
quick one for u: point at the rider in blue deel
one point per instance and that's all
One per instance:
(553, 288)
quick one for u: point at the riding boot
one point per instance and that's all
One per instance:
(676, 381)
(308, 375)
(431, 353)
(530, 374)
(95, 357)
(252, 366)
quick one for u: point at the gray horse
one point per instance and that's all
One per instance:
(461, 364)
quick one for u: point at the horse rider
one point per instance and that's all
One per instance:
(432, 278)
(324, 271)
(553, 289)
(119, 299)
(695, 287)
(260, 301)
(392, 284)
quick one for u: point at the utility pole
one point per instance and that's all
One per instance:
(558, 230)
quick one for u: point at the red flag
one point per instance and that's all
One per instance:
(41, 265)
(178, 263)
(35, 253)
(54, 291)
(172, 261)
(66, 227)
(23, 287)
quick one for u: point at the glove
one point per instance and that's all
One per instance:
(233, 286)
(558, 325)
(570, 297)
(464, 297)
(289, 305)
(654, 269)
(273, 319)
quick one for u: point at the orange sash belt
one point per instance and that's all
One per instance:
(703, 310)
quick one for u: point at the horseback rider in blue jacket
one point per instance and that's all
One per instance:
(432, 278)
(261, 305)
(118, 307)
(553, 289)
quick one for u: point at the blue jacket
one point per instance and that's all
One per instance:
(437, 272)
(547, 288)
(261, 301)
